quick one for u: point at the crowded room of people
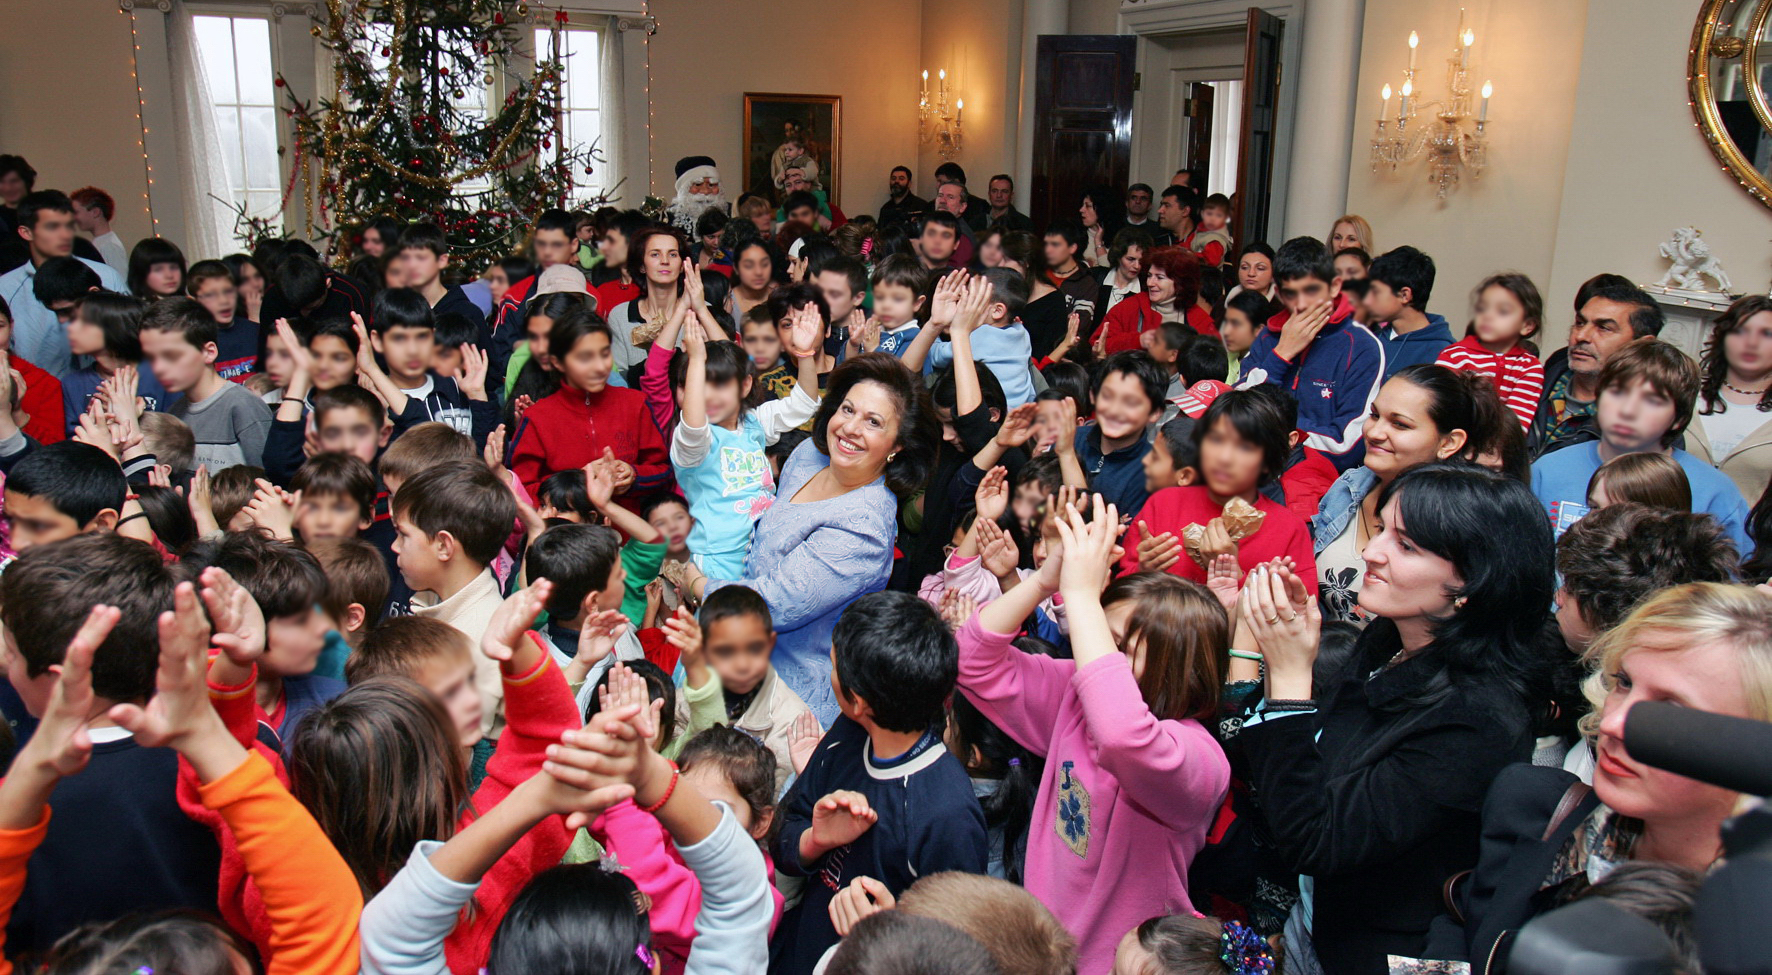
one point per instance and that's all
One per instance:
(927, 487)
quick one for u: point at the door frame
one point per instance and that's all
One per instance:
(1147, 20)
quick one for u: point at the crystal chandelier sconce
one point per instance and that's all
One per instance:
(1449, 133)
(938, 124)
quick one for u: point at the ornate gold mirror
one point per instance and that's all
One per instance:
(1729, 72)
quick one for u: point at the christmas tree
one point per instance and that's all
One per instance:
(412, 128)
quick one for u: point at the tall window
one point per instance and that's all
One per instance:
(236, 53)
(581, 103)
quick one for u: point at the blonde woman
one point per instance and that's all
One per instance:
(1705, 645)
(1351, 230)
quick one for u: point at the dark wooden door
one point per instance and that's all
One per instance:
(1196, 141)
(1261, 102)
(1082, 120)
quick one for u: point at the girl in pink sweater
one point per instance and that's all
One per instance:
(1133, 777)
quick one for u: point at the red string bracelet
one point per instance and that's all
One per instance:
(675, 774)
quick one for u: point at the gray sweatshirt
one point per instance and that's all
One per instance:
(403, 927)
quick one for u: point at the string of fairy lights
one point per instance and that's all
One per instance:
(141, 121)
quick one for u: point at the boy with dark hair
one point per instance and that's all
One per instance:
(844, 283)
(117, 841)
(1166, 343)
(356, 591)
(981, 317)
(451, 520)
(46, 225)
(229, 421)
(622, 581)
(800, 208)
(404, 335)
(287, 584)
(881, 797)
(1128, 393)
(299, 286)
(1397, 288)
(337, 497)
(423, 256)
(436, 656)
(1647, 393)
(236, 338)
(62, 490)
(901, 295)
(1314, 349)
(1620, 555)
(1063, 249)
(453, 333)
(1173, 460)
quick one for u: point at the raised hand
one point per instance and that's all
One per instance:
(692, 286)
(803, 738)
(1156, 553)
(864, 897)
(273, 509)
(513, 618)
(471, 377)
(1089, 548)
(956, 609)
(522, 405)
(597, 637)
(974, 303)
(1222, 576)
(1018, 426)
(946, 299)
(366, 363)
(996, 548)
(494, 454)
(600, 482)
(807, 332)
(683, 632)
(602, 759)
(199, 499)
(1067, 427)
(298, 353)
(625, 689)
(1301, 329)
(695, 341)
(239, 623)
(837, 820)
(180, 708)
(992, 496)
(1286, 623)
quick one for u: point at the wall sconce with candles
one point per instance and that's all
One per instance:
(937, 124)
(1452, 139)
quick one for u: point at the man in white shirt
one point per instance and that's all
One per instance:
(93, 209)
(46, 225)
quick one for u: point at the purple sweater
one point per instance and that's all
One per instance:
(1125, 801)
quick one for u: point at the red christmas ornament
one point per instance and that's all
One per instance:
(560, 17)
(588, 170)
(279, 82)
(499, 19)
(387, 52)
(443, 70)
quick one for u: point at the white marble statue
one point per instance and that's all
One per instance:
(1692, 263)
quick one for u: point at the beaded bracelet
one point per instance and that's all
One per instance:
(1279, 706)
(675, 774)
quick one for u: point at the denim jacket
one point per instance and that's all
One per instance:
(1340, 503)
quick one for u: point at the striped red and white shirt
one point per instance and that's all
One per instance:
(1518, 375)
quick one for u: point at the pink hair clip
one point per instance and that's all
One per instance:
(644, 954)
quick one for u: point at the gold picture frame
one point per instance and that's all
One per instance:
(1714, 40)
(772, 120)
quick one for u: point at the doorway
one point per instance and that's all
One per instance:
(1189, 107)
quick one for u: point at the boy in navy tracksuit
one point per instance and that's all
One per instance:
(1397, 289)
(882, 797)
(1315, 349)
(405, 334)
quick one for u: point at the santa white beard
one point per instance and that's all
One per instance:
(693, 205)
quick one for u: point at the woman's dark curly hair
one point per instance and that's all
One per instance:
(919, 430)
(1715, 365)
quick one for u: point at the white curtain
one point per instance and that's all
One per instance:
(203, 179)
(612, 114)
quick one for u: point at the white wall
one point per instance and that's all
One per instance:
(1639, 167)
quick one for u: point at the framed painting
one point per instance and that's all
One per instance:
(782, 130)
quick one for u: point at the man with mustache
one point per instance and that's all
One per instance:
(1610, 312)
(901, 204)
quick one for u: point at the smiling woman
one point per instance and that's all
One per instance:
(828, 538)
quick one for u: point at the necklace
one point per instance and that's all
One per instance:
(1731, 387)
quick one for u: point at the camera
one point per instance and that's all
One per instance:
(1733, 913)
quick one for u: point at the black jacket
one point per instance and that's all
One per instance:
(1381, 807)
(1554, 368)
(1529, 815)
(902, 211)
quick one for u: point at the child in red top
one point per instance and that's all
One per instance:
(1241, 443)
(588, 418)
(1509, 310)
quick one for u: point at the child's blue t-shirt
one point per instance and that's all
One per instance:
(726, 479)
(893, 342)
(1006, 350)
(1560, 479)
